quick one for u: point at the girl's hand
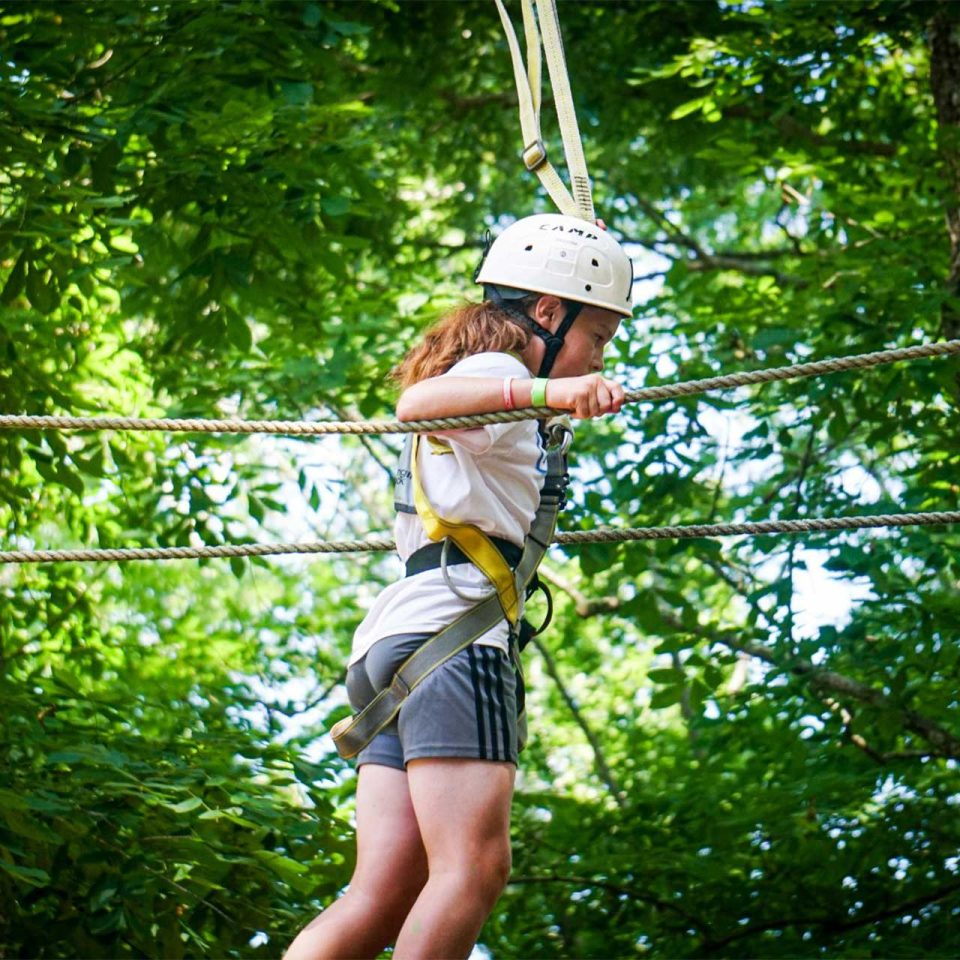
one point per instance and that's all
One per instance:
(584, 397)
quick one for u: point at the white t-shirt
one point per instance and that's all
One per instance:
(489, 476)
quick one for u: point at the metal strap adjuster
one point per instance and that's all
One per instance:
(534, 155)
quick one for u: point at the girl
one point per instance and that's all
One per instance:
(434, 788)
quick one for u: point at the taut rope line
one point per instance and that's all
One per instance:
(600, 535)
(307, 428)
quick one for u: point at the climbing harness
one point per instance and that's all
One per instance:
(528, 81)
(352, 734)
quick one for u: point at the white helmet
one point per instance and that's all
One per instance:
(565, 256)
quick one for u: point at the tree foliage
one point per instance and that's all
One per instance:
(251, 209)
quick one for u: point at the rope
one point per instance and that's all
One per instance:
(759, 528)
(306, 428)
(195, 553)
(600, 535)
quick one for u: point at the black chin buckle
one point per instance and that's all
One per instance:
(553, 345)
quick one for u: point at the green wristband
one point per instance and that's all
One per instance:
(538, 392)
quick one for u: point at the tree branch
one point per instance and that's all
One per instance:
(821, 455)
(832, 925)
(650, 276)
(774, 254)
(600, 761)
(944, 34)
(823, 682)
(860, 742)
(708, 262)
(585, 606)
(620, 891)
(794, 129)
(944, 742)
(317, 700)
(342, 413)
(703, 260)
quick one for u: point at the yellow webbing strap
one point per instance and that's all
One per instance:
(528, 81)
(471, 540)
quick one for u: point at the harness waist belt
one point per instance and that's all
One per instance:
(428, 557)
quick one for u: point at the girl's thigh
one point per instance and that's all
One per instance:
(462, 807)
(389, 845)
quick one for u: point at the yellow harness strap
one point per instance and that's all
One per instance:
(471, 540)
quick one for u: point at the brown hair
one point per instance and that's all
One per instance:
(468, 329)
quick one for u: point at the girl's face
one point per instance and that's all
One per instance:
(585, 341)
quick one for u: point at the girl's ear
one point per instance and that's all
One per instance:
(549, 312)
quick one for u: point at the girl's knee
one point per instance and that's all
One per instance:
(396, 903)
(500, 859)
(395, 889)
(499, 868)
(483, 873)
(390, 902)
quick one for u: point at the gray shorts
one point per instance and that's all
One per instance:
(468, 706)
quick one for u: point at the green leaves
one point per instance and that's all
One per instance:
(252, 210)
(297, 94)
(143, 802)
(186, 806)
(698, 103)
(30, 876)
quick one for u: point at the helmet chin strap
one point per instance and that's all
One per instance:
(552, 342)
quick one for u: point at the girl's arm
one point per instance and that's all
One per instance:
(583, 397)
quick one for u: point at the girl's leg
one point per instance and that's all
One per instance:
(463, 808)
(391, 870)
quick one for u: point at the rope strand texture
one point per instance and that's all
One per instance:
(305, 428)
(600, 535)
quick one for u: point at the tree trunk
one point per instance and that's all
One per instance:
(945, 81)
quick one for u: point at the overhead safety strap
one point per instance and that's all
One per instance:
(580, 203)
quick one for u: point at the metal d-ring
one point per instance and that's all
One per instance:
(449, 582)
(560, 433)
(546, 620)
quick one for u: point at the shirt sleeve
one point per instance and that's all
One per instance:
(478, 440)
